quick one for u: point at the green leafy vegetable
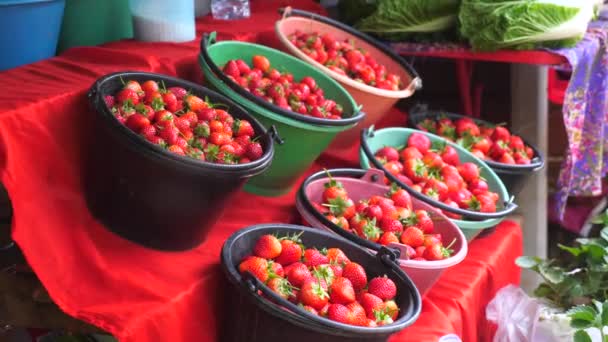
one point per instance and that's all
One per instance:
(524, 24)
(589, 316)
(400, 19)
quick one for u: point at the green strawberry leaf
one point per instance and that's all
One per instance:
(582, 336)
(527, 262)
(604, 234)
(582, 314)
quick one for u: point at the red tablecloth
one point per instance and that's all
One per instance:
(143, 295)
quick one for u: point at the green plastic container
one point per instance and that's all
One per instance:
(397, 136)
(303, 142)
(94, 22)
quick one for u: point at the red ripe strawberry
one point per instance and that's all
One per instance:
(242, 127)
(258, 267)
(357, 313)
(371, 303)
(394, 167)
(400, 197)
(232, 69)
(388, 153)
(336, 255)
(486, 203)
(465, 125)
(314, 294)
(254, 151)
(149, 86)
(461, 197)
(179, 92)
(388, 238)
(368, 230)
(243, 67)
(333, 189)
(297, 273)
(156, 140)
(415, 170)
(148, 131)
(181, 124)
(356, 274)
(498, 149)
(194, 103)
(339, 313)
(281, 286)
(501, 134)
(391, 225)
(341, 291)
(520, 159)
(382, 287)
(291, 252)
(506, 159)
(423, 220)
(261, 63)
(478, 186)
(410, 153)
(268, 247)
(419, 141)
(192, 117)
(412, 236)
(109, 100)
(469, 171)
(529, 152)
(136, 122)
(127, 95)
(313, 257)
(170, 101)
(436, 252)
(373, 212)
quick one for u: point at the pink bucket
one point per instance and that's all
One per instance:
(362, 184)
(376, 102)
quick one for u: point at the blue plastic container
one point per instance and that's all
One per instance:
(29, 30)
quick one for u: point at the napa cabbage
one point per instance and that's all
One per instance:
(400, 19)
(524, 24)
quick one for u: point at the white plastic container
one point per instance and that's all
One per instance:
(163, 21)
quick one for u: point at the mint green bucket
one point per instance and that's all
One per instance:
(397, 136)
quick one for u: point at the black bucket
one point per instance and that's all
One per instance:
(514, 177)
(149, 195)
(260, 320)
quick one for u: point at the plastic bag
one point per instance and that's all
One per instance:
(515, 313)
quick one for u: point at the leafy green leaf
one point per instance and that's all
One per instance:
(552, 274)
(527, 262)
(582, 336)
(605, 313)
(604, 234)
(596, 252)
(582, 313)
(492, 25)
(572, 250)
(543, 290)
(396, 18)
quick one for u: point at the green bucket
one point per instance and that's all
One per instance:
(94, 22)
(303, 141)
(397, 136)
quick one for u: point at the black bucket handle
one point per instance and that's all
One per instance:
(210, 39)
(509, 205)
(416, 81)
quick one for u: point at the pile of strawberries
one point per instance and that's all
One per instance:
(384, 219)
(492, 143)
(436, 171)
(183, 123)
(345, 58)
(324, 282)
(304, 97)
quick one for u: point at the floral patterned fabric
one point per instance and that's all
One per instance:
(585, 113)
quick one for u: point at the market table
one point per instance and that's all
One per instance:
(139, 294)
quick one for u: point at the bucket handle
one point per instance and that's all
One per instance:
(509, 206)
(273, 134)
